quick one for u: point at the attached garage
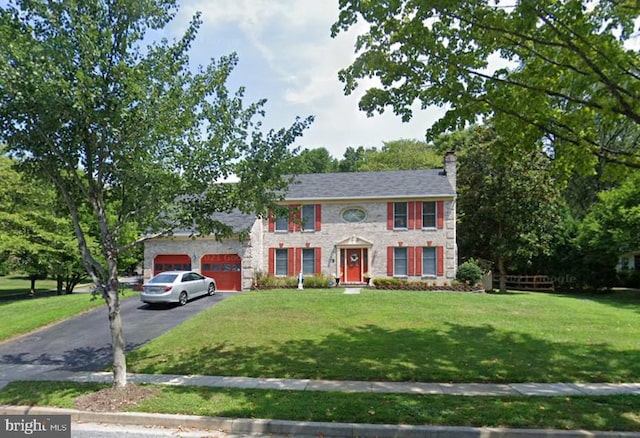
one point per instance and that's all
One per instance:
(225, 269)
(171, 262)
(231, 261)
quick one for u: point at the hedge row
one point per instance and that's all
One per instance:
(382, 283)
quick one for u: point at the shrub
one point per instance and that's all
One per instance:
(316, 281)
(469, 272)
(629, 279)
(273, 282)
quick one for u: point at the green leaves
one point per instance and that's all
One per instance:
(614, 222)
(35, 236)
(124, 128)
(565, 68)
(508, 204)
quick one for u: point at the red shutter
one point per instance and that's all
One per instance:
(440, 260)
(298, 261)
(418, 260)
(298, 216)
(390, 216)
(272, 261)
(412, 216)
(440, 213)
(412, 261)
(318, 268)
(291, 218)
(419, 215)
(272, 224)
(390, 261)
(291, 269)
(318, 217)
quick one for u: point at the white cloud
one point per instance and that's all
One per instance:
(287, 54)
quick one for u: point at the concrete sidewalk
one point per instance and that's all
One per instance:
(9, 372)
(466, 389)
(248, 427)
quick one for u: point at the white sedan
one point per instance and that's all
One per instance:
(176, 287)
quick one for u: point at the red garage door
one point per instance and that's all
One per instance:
(225, 269)
(171, 262)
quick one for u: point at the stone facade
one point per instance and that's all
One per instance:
(371, 233)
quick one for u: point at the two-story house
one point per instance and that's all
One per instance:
(349, 226)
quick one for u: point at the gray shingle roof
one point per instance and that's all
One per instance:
(237, 220)
(370, 185)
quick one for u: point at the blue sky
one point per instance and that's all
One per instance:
(287, 55)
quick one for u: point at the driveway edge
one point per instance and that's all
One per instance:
(304, 428)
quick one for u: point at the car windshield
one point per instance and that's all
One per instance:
(163, 278)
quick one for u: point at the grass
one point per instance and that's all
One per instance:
(620, 412)
(14, 284)
(397, 336)
(19, 284)
(406, 336)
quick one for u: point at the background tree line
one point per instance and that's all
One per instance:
(37, 237)
(514, 213)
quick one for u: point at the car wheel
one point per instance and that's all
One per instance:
(182, 300)
(211, 290)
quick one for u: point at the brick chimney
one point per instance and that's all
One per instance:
(450, 168)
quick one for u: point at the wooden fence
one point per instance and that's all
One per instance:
(526, 282)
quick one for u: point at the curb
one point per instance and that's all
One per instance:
(305, 428)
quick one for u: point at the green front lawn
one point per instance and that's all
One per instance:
(620, 412)
(406, 336)
(421, 336)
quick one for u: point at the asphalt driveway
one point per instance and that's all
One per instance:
(84, 342)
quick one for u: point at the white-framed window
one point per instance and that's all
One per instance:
(308, 261)
(429, 261)
(400, 262)
(282, 262)
(309, 217)
(429, 214)
(282, 224)
(400, 215)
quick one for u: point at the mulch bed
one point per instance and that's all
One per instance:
(115, 399)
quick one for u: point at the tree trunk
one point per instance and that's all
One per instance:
(117, 338)
(71, 282)
(32, 291)
(59, 282)
(503, 275)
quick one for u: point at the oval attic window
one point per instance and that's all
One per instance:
(353, 215)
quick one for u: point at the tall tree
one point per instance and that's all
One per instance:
(35, 237)
(352, 159)
(403, 154)
(117, 125)
(612, 227)
(317, 160)
(508, 205)
(569, 70)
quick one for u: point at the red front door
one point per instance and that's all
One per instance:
(353, 268)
